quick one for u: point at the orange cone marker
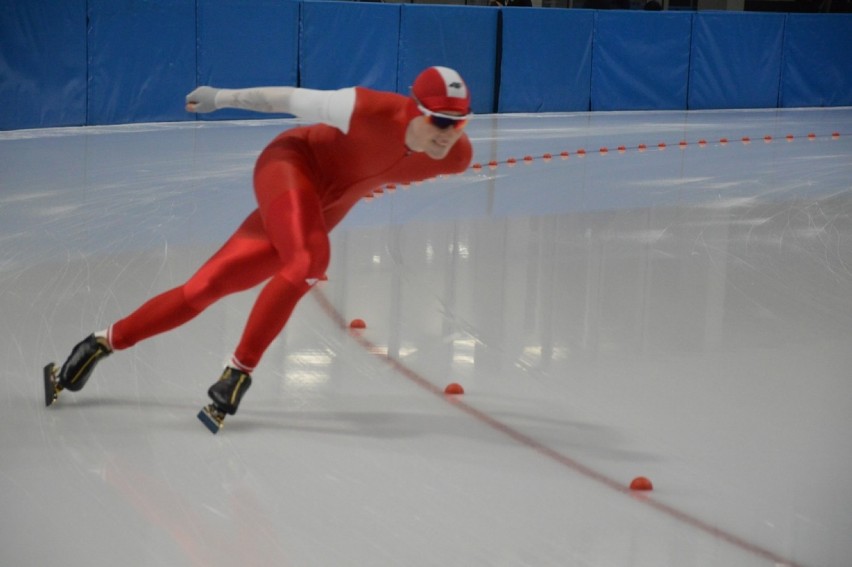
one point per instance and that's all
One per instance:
(454, 389)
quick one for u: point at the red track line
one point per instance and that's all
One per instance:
(682, 144)
(544, 450)
(548, 157)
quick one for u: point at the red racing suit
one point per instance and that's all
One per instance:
(305, 182)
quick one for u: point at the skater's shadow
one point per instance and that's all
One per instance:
(556, 433)
(559, 434)
(377, 424)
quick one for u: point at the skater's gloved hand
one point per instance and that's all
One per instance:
(202, 99)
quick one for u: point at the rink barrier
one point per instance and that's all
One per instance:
(92, 62)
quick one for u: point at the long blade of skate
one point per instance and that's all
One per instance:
(211, 419)
(50, 391)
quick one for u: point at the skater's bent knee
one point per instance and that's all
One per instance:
(320, 253)
(310, 261)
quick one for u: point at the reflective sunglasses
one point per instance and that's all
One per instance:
(442, 121)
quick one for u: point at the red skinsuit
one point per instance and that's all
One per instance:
(305, 181)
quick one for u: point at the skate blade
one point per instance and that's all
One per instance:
(51, 391)
(211, 419)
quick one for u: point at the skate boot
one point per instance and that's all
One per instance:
(77, 368)
(226, 394)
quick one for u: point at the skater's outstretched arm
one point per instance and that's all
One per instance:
(329, 107)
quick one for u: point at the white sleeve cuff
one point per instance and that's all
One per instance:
(334, 108)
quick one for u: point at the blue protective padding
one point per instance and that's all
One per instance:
(736, 60)
(817, 67)
(546, 62)
(42, 64)
(142, 60)
(346, 44)
(247, 43)
(137, 59)
(640, 60)
(461, 37)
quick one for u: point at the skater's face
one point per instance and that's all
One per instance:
(435, 136)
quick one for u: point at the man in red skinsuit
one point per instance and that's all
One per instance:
(305, 182)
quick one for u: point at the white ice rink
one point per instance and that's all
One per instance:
(683, 314)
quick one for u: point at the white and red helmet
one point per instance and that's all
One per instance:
(441, 89)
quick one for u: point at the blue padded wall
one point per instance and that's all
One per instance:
(247, 43)
(42, 63)
(640, 60)
(141, 60)
(349, 43)
(817, 67)
(736, 60)
(551, 73)
(461, 37)
(118, 61)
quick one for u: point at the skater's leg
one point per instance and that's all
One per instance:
(292, 217)
(295, 228)
(304, 251)
(245, 260)
(293, 220)
(157, 315)
(293, 223)
(270, 313)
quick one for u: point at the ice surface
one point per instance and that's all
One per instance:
(683, 314)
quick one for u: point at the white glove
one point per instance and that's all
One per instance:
(202, 99)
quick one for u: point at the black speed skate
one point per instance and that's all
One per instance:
(77, 368)
(226, 394)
